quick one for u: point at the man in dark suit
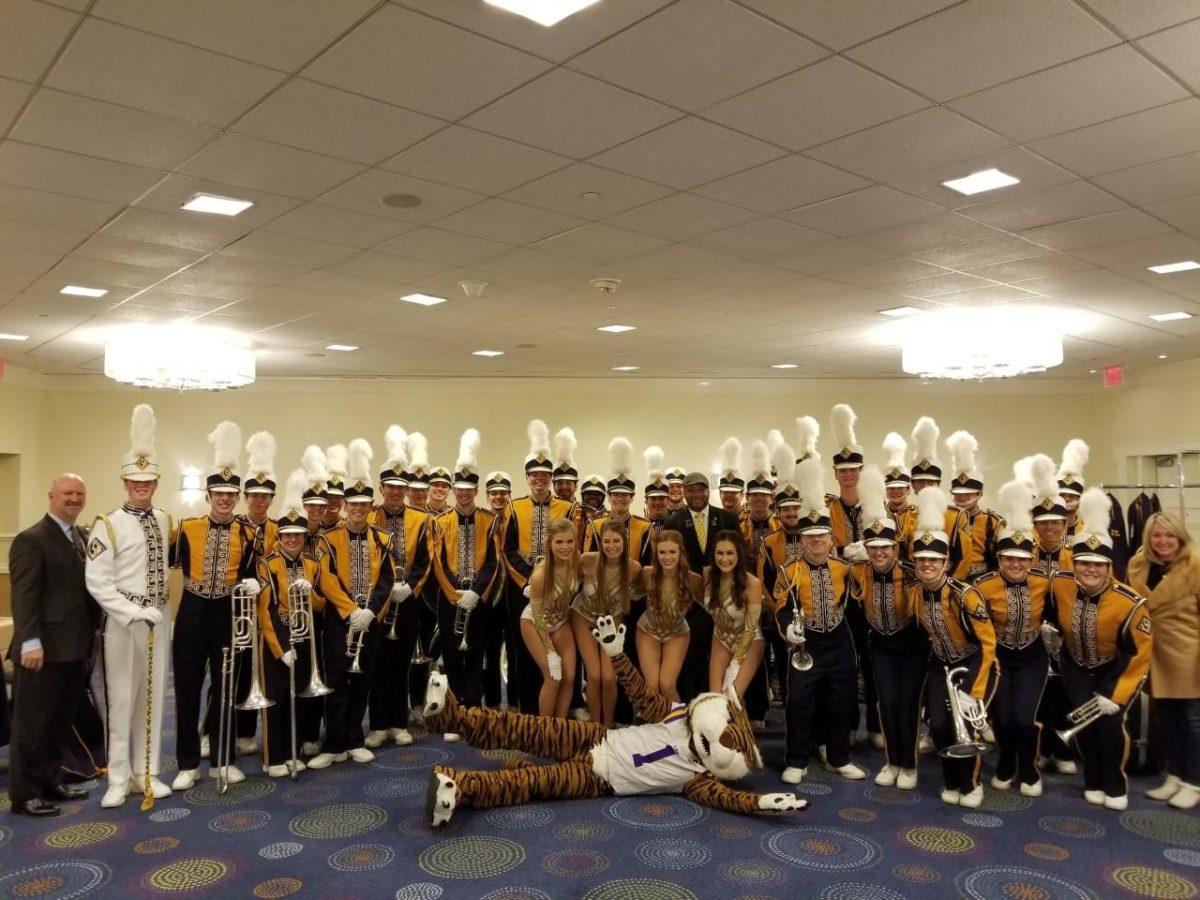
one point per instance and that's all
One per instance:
(699, 523)
(54, 621)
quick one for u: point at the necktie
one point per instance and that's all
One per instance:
(702, 529)
(77, 540)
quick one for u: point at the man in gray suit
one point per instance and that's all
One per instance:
(54, 621)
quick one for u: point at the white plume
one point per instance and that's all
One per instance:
(656, 462)
(1074, 457)
(141, 431)
(1014, 500)
(316, 468)
(774, 440)
(931, 509)
(620, 455)
(841, 422)
(925, 437)
(395, 441)
(539, 437)
(226, 440)
(784, 460)
(260, 453)
(895, 447)
(1023, 471)
(872, 494)
(565, 445)
(731, 455)
(760, 459)
(808, 429)
(359, 461)
(962, 446)
(335, 458)
(418, 450)
(468, 450)
(1094, 511)
(1045, 481)
(810, 482)
(293, 493)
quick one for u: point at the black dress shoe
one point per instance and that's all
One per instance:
(38, 808)
(68, 792)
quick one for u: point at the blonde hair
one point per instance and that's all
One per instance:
(1171, 524)
(556, 527)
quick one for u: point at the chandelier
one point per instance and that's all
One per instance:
(178, 357)
(992, 342)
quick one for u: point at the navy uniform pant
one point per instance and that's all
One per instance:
(899, 662)
(1014, 709)
(957, 774)
(1104, 743)
(821, 697)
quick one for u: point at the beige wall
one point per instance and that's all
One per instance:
(23, 432)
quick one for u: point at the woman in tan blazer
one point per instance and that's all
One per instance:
(1167, 572)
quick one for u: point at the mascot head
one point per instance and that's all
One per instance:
(721, 736)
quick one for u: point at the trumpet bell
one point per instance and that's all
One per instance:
(965, 750)
(800, 661)
(316, 688)
(255, 700)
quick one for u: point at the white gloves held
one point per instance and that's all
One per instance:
(289, 658)
(780, 802)
(361, 619)
(970, 706)
(856, 552)
(1107, 707)
(609, 635)
(525, 592)
(467, 600)
(252, 585)
(731, 674)
(401, 592)
(302, 585)
(589, 589)
(554, 663)
(149, 615)
(794, 634)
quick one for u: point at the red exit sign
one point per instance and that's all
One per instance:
(1113, 375)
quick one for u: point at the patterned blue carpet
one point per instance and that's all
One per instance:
(358, 831)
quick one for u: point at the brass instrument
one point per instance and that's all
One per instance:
(355, 640)
(392, 616)
(462, 618)
(299, 621)
(964, 745)
(1080, 718)
(243, 636)
(798, 657)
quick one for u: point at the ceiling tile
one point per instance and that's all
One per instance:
(1044, 266)
(207, 284)
(821, 102)
(419, 63)
(841, 25)
(77, 270)
(337, 284)
(1058, 203)
(939, 285)
(447, 247)
(1129, 141)
(503, 220)
(475, 160)
(44, 238)
(240, 269)
(158, 75)
(69, 173)
(600, 243)
(365, 193)
(827, 257)
(90, 127)
(981, 43)
(759, 238)
(687, 153)
(915, 143)
(326, 120)
(1183, 213)
(563, 191)
(782, 185)
(30, 36)
(681, 216)
(1137, 19)
(286, 248)
(341, 226)
(569, 113)
(16, 263)
(247, 162)
(1093, 89)
(175, 229)
(1034, 171)
(671, 262)
(890, 272)
(386, 267)
(1155, 182)
(279, 33)
(1176, 49)
(12, 96)
(981, 253)
(1131, 256)
(870, 209)
(175, 190)
(22, 204)
(697, 52)
(137, 253)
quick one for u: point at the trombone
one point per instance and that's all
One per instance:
(1080, 718)
(355, 639)
(243, 636)
(300, 631)
(964, 746)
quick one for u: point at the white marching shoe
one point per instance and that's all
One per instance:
(283, 770)
(375, 739)
(310, 748)
(972, 799)
(246, 746)
(907, 780)
(362, 755)
(1001, 784)
(114, 796)
(1065, 767)
(159, 789)
(204, 747)
(185, 779)
(1186, 797)
(1031, 790)
(325, 760)
(1117, 803)
(400, 736)
(849, 771)
(441, 798)
(1167, 789)
(233, 774)
(951, 796)
(887, 776)
(451, 737)
(1096, 798)
(925, 745)
(793, 774)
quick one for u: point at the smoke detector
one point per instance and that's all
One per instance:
(473, 289)
(606, 284)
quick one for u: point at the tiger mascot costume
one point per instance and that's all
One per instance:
(685, 749)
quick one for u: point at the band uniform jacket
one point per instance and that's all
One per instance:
(957, 621)
(527, 531)
(1060, 559)
(637, 531)
(1114, 624)
(820, 593)
(754, 532)
(465, 561)
(356, 564)
(958, 531)
(779, 548)
(1174, 606)
(409, 542)
(717, 521)
(984, 526)
(1017, 610)
(1122, 551)
(50, 600)
(127, 562)
(884, 596)
(1140, 509)
(213, 556)
(266, 535)
(277, 573)
(845, 521)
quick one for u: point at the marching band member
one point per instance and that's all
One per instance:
(315, 499)
(335, 488)
(1016, 598)
(808, 431)
(734, 599)
(757, 521)
(277, 572)
(553, 586)
(356, 580)
(926, 473)
(674, 478)
(899, 651)
(898, 483)
(417, 495)
(783, 544)
(662, 630)
(1070, 480)
(126, 573)
(417, 498)
(408, 540)
(620, 490)
(565, 477)
(1106, 644)
(215, 553)
(440, 483)
(810, 598)
(593, 492)
(498, 491)
(465, 567)
(731, 487)
(966, 489)
(526, 541)
(961, 636)
(657, 495)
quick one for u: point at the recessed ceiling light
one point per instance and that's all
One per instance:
(346, 348)
(899, 312)
(978, 182)
(221, 206)
(13, 337)
(1167, 268)
(75, 290)
(1162, 356)
(423, 299)
(784, 366)
(487, 352)
(625, 368)
(544, 12)
(1176, 316)
(616, 329)
(589, 195)
(1093, 371)
(704, 384)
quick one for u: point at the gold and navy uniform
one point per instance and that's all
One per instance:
(582, 518)
(266, 533)
(1060, 559)
(884, 597)
(906, 523)
(465, 561)
(754, 532)
(779, 548)
(845, 520)
(213, 556)
(637, 530)
(408, 540)
(525, 541)
(984, 526)
(819, 592)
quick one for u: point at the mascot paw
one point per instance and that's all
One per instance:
(435, 693)
(780, 802)
(609, 635)
(440, 799)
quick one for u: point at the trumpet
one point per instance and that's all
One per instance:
(462, 618)
(300, 630)
(243, 636)
(1080, 718)
(355, 639)
(799, 657)
(392, 616)
(964, 745)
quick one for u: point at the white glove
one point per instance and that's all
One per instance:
(856, 552)
(467, 600)
(361, 619)
(148, 614)
(1051, 638)
(780, 802)
(969, 705)
(589, 589)
(794, 633)
(401, 592)
(1108, 707)
(554, 662)
(289, 658)
(525, 592)
(302, 585)
(731, 674)
(609, 635)
(252, 585)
